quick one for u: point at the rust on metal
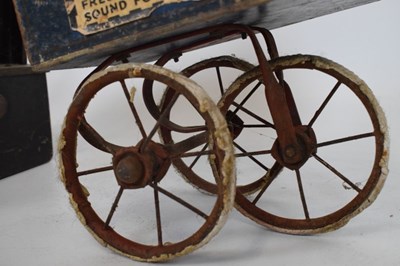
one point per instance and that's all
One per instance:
(364, 195)
(274, 91)
(145, 164)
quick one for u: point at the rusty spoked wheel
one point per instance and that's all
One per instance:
(217, 73)
(136, 205)
(345, 138)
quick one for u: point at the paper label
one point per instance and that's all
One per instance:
(91, 16)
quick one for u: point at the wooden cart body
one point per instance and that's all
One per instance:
(63, 34)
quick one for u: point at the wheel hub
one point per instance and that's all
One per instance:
(308, 146)
(235, 124)
(134, 168)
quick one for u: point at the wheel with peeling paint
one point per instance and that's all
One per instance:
(122, 188)
(347, 147)
(216, 74)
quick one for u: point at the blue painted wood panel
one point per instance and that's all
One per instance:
(51, 43)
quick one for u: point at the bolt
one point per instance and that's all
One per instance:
(130, 170)
(290, 151)
(3, 106)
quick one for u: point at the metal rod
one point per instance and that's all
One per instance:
(323, 105)
(158, 213)
(346, 139)
(336, 172)
(248, 96)
(252, 114)
(114, 206)
(180, 201)
(159, 122)
(251, 156)
(270, 176)
(221, 86)
(96, 170)
(198, 155)
(253, 153)
(302, 195)
(133, 109)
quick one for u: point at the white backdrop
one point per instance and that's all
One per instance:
(38, 227)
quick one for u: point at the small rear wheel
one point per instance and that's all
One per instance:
(217, 74)
(346, 133)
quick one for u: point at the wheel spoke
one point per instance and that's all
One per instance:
(221, 86)
(199, 154)
(133, 109)
(252, 114)
(179, 148)
(256, 126)
(114, 206)
(250, 156)
(240, 105)
(253, 153)
(179, 200)
(163, 116)
(95, 139)
(96, 170)
(323, 105)
(346, 139)
(336, 172)
(158, 213)
(302, 196)
(269, 177)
